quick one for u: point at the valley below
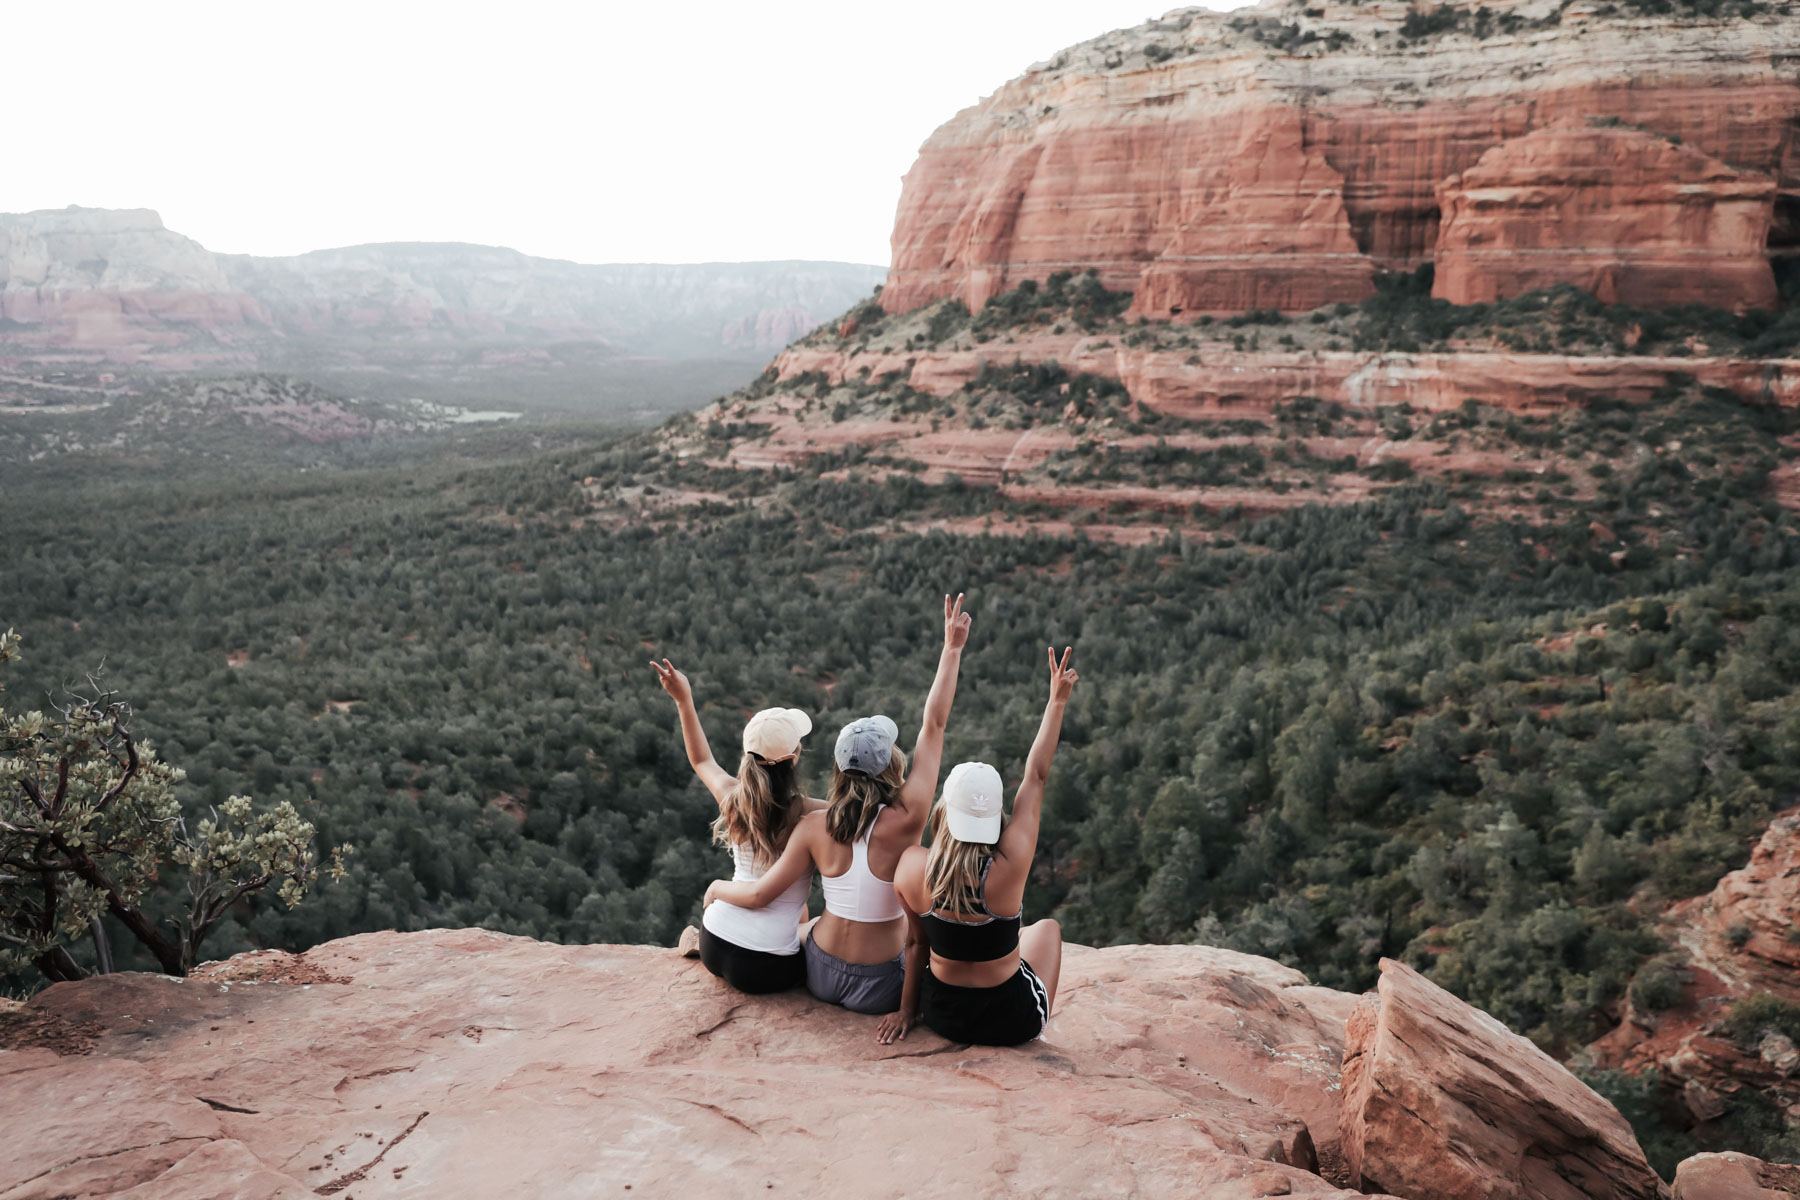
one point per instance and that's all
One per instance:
(1397, 408)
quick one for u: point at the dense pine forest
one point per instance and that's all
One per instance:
(1405, 728)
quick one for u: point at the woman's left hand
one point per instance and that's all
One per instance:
(712, 893)
(894, 1026)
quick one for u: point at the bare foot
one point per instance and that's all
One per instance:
(688, 946)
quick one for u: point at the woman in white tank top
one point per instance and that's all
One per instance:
(754, 950)
(855, 953)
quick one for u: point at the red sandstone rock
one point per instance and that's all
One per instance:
(1442, 1102)
(1126, 149)
(1762, 899)
(1733, 1176)
(451, 1064)
(1617, 212)
(1219, 381)
(1273, 235)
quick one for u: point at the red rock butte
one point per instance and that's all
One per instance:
(1280, 156)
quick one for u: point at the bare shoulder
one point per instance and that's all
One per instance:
(909, 877)
(814, 805)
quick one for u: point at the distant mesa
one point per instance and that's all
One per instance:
(1280, 156)
(116, 285)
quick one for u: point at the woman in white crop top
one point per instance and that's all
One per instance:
(754, 950)
(876, 809)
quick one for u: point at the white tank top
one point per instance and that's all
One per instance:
(857, 894)
(772, 929)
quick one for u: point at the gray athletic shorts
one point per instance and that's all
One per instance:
(872, 988)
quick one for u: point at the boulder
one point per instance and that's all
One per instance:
(1734, 1176)
(466, 1063)
(1443, 1102)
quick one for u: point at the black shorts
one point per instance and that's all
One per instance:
(754, 971)
(1005, 1015)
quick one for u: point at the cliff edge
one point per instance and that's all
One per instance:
(466, 1063)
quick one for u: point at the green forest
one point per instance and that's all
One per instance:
(1407, 728)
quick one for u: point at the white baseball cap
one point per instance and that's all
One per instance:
(974, 799)
(774, 733)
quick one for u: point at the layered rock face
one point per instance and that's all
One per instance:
(1735, 942)
(1743, 931)
(96, 276)
(1620, 213)
(1279, 155)
(465, 1063)
(117, 283)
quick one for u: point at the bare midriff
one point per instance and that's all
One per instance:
(992, 973)
(860, 941)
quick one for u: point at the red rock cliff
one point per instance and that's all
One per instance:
(1280, 155)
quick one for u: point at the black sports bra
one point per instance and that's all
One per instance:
(974, 941)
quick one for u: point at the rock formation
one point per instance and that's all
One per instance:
(1442, 1100)
(1743, 931)
(1735, 942)
(84, 276)
(1281, 154)
(471, 1064)
(118, 285)
(1732, 1176)
(1620, 213)
(465, 1063)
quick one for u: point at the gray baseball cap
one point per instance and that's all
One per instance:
(867, 745)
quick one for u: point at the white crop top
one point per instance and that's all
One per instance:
(772, 929)
(857, 894)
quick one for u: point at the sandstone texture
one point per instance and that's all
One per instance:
(1733, 1176)
(1279, 155)
(465, 1063)
(1224, 381)
(1620, 213)
(1442, 1100)
(1734, 942)
(1742, 931)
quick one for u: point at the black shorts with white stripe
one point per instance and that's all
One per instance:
(1005, 1015)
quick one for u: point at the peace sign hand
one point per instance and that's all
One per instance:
(956, 623)
(673, 681)
(1062, 676)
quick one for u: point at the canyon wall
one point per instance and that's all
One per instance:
(1279, 156)
(118, 284)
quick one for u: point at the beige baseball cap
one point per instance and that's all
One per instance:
(974, 800)
(774, 733)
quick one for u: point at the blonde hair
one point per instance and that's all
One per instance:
(759, 811)
(953, 867)
(855, 798)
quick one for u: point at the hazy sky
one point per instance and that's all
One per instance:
(601, 132)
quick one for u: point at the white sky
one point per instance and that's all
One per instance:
(599, 132)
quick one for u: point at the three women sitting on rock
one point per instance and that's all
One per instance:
(943, 955)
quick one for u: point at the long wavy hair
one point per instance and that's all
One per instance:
(761, 809)
(855, 798)
(953, 867)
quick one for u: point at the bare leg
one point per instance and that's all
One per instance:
(1040, 944)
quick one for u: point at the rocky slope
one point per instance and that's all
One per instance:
(1713, 1036)
(1281, 155)
(467, 1063)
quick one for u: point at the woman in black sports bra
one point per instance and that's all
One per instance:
(987, 980)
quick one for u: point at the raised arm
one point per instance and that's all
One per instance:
(795, 861)
(717, 779)
(1018, 842)
(928, 754)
